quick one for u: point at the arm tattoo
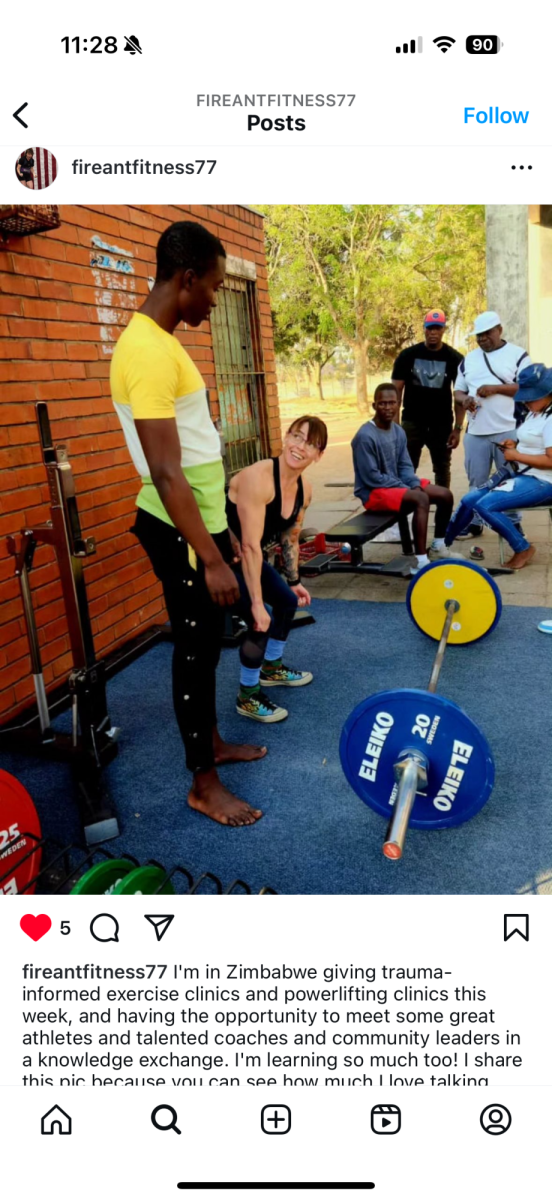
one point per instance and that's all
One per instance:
(289, 543)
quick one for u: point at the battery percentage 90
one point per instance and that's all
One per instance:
(483, 44)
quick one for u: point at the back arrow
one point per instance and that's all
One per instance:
(18, 118)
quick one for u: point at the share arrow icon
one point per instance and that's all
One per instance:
(160, 924)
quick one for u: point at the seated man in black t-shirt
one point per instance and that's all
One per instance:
(424, 377)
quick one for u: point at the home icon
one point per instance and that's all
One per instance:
(56, 1121)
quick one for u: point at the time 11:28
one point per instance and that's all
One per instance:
(93, 45)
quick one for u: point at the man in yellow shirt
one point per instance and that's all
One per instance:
(160, 398)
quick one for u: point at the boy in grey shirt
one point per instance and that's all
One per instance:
(385, 479)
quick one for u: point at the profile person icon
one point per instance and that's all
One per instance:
(495, 1119)
(24, 168)
(36, 168)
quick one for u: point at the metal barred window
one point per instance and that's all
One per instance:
(239, 369)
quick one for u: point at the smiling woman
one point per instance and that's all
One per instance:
(266, 503)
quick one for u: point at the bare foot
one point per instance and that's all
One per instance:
(522, 559)
(231, 752)
(210, 797)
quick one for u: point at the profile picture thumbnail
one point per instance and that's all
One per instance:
(36, 168)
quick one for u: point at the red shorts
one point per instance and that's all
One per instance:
(389, 499)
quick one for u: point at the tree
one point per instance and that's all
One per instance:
(338, 254)
(306, 340)
(372, 271)
(304, 332)
(443, 256)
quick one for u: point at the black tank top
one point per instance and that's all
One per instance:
(275, 523)
(25, 164)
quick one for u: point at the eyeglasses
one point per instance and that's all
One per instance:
(301, 441)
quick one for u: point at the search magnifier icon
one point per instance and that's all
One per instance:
(167, 1111)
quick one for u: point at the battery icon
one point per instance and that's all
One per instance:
(483, 44)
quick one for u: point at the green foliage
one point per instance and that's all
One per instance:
(363, 275)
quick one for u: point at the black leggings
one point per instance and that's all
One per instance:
(283, 603)
(197, 626)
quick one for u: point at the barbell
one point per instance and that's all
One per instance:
(411, 755)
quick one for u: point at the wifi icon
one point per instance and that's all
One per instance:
(444, 43)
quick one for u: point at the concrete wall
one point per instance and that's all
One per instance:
(519, 274)
(540, 293)
(507, 232)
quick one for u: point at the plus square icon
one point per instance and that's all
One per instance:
(276, 1118)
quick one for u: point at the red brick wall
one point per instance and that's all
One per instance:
(61, 311)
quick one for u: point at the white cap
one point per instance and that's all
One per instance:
(484, 322)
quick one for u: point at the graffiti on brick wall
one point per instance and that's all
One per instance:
(115, 288)
(110, 258)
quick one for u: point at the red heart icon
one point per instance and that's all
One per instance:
(35, 927)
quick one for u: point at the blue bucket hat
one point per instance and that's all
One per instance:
(535, 382)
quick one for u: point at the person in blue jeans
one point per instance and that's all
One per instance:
(531, 485)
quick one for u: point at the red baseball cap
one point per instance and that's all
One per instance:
(435, 317)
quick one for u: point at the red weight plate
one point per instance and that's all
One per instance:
(17, 815)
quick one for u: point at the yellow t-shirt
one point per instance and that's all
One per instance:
(152, 376)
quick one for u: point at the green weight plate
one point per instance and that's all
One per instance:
(103, 879)
(144, 881)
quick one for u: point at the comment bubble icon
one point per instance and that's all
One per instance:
(105, 928)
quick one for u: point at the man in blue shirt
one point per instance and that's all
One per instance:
(385, 479)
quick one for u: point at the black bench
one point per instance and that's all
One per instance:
(356, 530)
(363, 527)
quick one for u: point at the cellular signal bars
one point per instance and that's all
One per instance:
(410, 47)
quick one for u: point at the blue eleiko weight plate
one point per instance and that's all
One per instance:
(390, 722)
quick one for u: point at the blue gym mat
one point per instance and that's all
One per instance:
(316, 835)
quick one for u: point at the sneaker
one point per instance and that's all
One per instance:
(447, 552)
(259, 708)
(284, 676)
(477, 553)
(473, 531)
(417, 567)
(440, 551)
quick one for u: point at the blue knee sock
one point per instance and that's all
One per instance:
(249, 676)
(274, 650)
